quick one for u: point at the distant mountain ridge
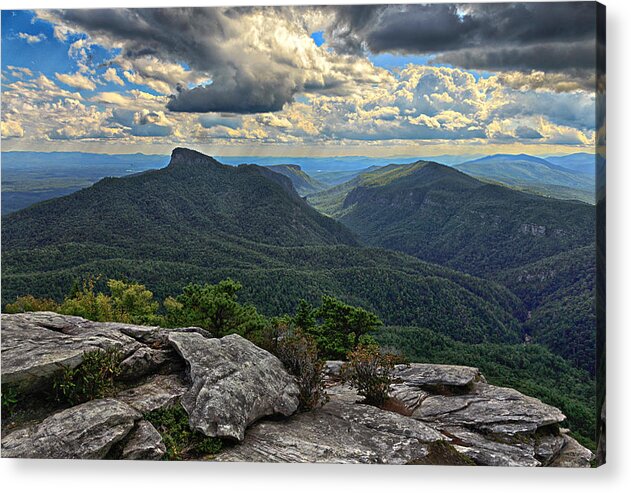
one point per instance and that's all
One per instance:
(536, 174)
(580, 162)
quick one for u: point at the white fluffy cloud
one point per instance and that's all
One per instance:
(112, 76)
(256, 76)
(76, 80)
(31, 38)
(11, 129)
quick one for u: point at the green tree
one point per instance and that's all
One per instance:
(29, 303)
(213, 307)
(341, 326)
(87, 303)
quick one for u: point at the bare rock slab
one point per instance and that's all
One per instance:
(87, 431)
(234, 383)
(489, 409)
(342, 431)
(430, 376)
(573, 454)
(36, 345)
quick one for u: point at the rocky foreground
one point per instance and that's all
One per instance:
(234, 390)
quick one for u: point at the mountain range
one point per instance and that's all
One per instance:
(200, 220)
(541, 248)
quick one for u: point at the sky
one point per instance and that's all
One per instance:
(377, 80)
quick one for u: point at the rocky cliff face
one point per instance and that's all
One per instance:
(234, 390)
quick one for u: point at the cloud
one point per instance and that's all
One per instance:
(11, 129)
(238, 60)
(220, 120)
(527, 133)
(31, 38)
(558, 82)
(502, 36)
(112, 76)
(76, 80)
(20, 72)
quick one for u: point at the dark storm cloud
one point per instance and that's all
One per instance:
(509, 36)
(243, 79)
(242, 94)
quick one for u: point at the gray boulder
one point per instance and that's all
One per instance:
(234, 383)
(36, 345)
(87, 431)
(491, 425)
(430, 376)
(573, 454)
(145, 361)
(144, 443)
(485, 451)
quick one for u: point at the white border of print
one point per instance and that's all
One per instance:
(50, 476)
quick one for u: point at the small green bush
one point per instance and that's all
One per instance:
(370, 372)
(92, 379)
(181, 442)
(9, 400)
(29, 303)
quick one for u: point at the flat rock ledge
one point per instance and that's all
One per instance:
(342, 431)
(446, 415)
(87, 431)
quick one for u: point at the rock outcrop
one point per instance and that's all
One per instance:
(144, 443)
(234, 383)
(450, 405)
(230, 388)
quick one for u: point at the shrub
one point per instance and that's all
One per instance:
(29, 303)
(92, 379)
(132, 303)
(299, 353)
(180, 441)
(9, 400)
(370, 372)
(85, 302)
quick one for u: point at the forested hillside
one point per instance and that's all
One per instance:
(541, 249)
(441, 215)
(200, 221)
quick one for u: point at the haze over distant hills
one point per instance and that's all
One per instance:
(570, 178)
(301, 181)
(30, 177)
